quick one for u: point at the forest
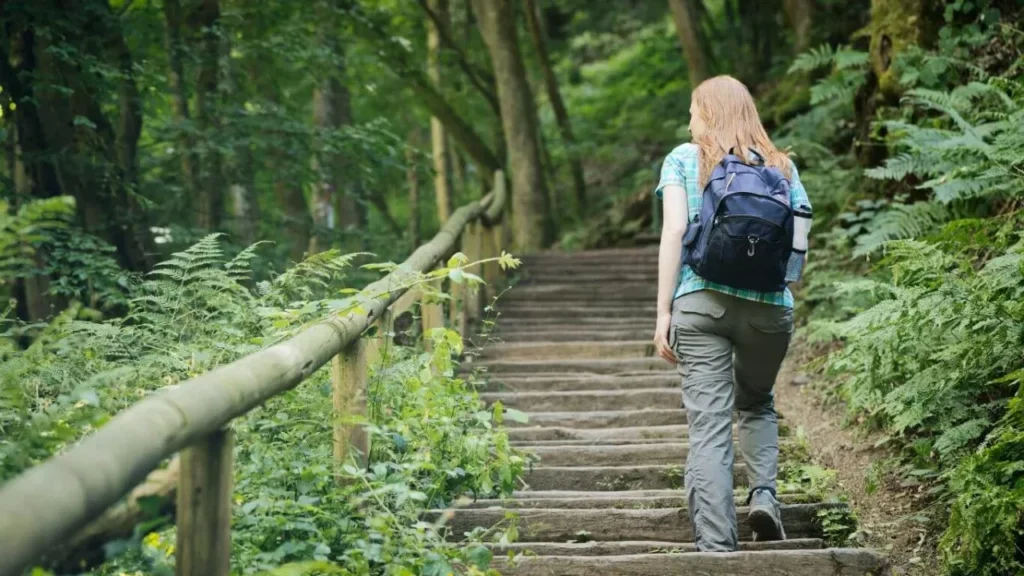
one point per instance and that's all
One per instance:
(188, 181)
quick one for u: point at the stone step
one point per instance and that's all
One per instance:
(506, 306)
(532, 435)
(613, 269)
(541, 350)
(625, 499)
(564, 334)
(545, 383)
(831, 562)
(574, 312)
(591, 277)
(616, 478)
(621, 455)
(560, 255)
(611, 524)
(585, 401)
(555, 293)
(579, 324)
(622, 366)
(604, 419)
(642, 547)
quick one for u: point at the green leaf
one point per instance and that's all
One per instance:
(516, 415)
(480, 555)
(458, 259)
(83, 121)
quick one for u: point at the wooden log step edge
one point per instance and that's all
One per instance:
(830, 562)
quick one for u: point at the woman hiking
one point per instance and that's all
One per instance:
(734, 235)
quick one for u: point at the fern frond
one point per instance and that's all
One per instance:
(813, 59)
(847, 58)
(903, 221)
(239, 268)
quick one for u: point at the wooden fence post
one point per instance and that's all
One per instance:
(348, 379)
(472, 247)
(204, 507)
(491, 248)
(431, 313)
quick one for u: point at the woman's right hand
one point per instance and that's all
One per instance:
(661, 338)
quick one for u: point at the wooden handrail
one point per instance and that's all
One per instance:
(49, 503)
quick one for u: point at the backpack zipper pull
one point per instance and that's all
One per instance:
(753, 242)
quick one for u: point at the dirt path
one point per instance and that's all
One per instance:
(886, 511)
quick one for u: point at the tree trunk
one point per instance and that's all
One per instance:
(686, 16)
(211, 199)
(241, 170)
(413, 182)
(297, 221)
(557, 104)
(531, 219)
(174, 22)
(895, 26)
(73, 148)
(438, 140)
(800, 14)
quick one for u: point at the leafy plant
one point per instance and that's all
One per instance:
(431, 442)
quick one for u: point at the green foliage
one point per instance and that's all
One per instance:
(919, 281)
(199, 309)
(23, 229)
(984, 536)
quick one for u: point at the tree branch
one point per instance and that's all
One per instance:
(485, 84)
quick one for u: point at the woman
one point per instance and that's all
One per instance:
(728, 343)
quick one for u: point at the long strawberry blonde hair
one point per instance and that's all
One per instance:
(731, 121)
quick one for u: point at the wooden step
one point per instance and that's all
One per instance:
(620, 455)
(616, 478)
(620, 366)
(561, 433)
(588, 400)
(542, 383)
(541, 350)
(624, 499)
(612, 524)
(830, 562)
(642, 547)
(572, 313)
(527, 331)
(604, 419)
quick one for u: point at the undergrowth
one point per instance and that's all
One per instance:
(295, 512)
(916, 279)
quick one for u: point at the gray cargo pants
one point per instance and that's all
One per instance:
(730, 350)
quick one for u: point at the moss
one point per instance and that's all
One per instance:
(895, 25)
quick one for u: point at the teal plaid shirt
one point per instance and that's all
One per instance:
(681, 169)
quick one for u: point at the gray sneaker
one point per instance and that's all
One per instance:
(765, 516)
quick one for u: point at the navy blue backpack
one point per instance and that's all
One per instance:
(743, 236)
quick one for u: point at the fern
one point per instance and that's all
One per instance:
(903, 221)
(814, 59)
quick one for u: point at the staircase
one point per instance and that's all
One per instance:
(606, 422)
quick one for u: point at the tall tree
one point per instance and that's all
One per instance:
(413, 182)
(557, 104)
(532, 223)
(334, 203)
(800, 14)
(68, 144)
(174, 19)
(211, 182)
(429, 98)
(437, 26)
(686, 14)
